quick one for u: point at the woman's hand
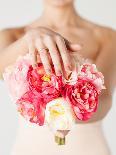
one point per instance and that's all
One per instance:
(52, 49)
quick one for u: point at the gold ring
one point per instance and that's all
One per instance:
(44, 48)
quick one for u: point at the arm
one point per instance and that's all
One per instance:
(106, 60)
(10, 48)
(106, 63)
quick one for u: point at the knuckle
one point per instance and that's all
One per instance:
(58, 71)
(28, 38)
(55, 52)
(32, 53)
(58, 37)
(43, 53)
(47, 67)
(47, 37)
(57, 65)
(38, 40)
(33, 34)
(68, 67)
(30, 33)
(31, 48)
(64, 52)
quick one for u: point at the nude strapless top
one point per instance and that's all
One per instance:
(83, 139)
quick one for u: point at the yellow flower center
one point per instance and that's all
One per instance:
(46, 78)
(56, 110)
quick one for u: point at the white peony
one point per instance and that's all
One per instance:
(59, 115)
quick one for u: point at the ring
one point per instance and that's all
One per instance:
(44, 48)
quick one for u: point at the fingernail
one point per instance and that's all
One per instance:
(69, 68)
(34, 66)
(69, 75)
(48, 71)
(59, 73)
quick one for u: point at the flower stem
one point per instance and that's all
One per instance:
(59, 140)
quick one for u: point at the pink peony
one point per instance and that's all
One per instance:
(92, 74)
(83, 97)
(16, 77)
(32, 107)
(42, 89)
(48, 85)
(32, 89)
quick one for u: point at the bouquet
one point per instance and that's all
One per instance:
(52, 100)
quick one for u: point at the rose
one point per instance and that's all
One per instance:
(83, 97)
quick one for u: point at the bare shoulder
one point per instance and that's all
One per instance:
(102, 33)
(107, 40)
(7, 36)
(106, 35)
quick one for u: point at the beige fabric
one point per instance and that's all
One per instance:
(84, 139)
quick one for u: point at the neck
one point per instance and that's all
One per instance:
(60, 16)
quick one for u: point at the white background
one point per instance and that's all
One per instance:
(20, 12)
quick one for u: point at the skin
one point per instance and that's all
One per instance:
(64, 41)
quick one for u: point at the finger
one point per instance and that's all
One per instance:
(68, 64)
(75, 47)
(33, 53)
(38, 58)
(54, 53)
(32, 49)
(43, 52)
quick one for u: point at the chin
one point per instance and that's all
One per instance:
(60, 3)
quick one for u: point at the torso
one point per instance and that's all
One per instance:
(35, 140)
(87, 139)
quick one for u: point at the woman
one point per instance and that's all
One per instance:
(45, 40)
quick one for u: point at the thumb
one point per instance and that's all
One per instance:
(75, 47)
